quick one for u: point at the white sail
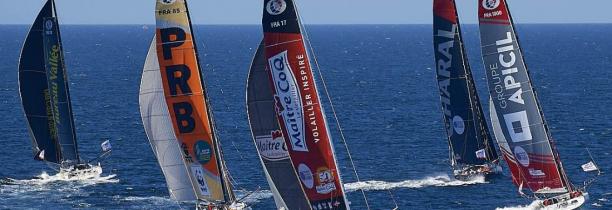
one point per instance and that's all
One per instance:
(159, 129)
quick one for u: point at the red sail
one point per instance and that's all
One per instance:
(518, 122)
(298, 106)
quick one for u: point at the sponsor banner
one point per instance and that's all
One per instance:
(201, 183)
(309, 146)
(272, 147)
(184, 94)
(288, 100)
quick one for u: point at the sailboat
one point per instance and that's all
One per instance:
(297, 106)
(518, 121)
(472, 152)
(45, 97)
(269, 140)
(177, 116)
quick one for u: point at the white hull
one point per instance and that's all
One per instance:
(74, 173)
(479, 171)
(234, 206)
(565, 203)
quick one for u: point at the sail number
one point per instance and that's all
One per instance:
(169, 11)
(276, 24)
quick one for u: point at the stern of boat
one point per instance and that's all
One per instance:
(565, 202)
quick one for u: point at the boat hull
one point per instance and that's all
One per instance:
(565, 203)
(467, 174)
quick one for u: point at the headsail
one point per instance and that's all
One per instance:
(160, 131)
(298, 107)
(269, 139)
(517, 118)
(468, 134)
(187, 102)
(43, 87)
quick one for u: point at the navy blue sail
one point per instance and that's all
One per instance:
(43, 87)
(469, 138)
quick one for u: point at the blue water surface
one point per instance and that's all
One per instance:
(381, 79)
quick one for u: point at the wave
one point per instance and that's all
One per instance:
(89, 177)
(533, 206)
(250, 197)
(434, 181)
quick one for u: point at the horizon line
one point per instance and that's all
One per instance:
(322, 24)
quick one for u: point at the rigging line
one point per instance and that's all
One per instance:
(307, 40)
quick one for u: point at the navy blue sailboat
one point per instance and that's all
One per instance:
(45, 96)
(471, 147)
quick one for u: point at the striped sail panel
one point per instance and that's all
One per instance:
(298, 108)
(269, 139)
(186, 99)
(43, 86)
(463, 119)
(518, 113)
(160, 131)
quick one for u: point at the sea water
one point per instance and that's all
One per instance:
(382, 82)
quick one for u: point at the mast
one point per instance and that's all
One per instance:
(67, 86)
(226, 181)
(520, 127)
(558, 162)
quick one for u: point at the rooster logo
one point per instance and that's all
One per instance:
(276, 7)
(167, 2)
(490, 4)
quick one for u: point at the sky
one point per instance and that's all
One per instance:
(311, 11)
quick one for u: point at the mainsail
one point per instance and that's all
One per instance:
(298, 108)
(518, 121)
(464, 120)
(43, 87)
(160, 131)
(187, 103)
(269, 140)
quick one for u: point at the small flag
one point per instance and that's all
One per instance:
(41, 155)
(520, 189)
(106, 146)
(481, 154)
(590, 166)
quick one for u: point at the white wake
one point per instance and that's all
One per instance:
(90, 177)
(532, 206)
(435, 181)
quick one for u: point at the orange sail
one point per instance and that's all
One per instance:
(187, 102)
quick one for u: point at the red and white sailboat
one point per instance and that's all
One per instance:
(517, 118)
(298, 107)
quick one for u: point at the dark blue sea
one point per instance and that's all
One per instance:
(381, 79)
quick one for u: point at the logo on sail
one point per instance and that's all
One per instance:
(276, 7)
(458, 125)
(325, 181)
(272, 147)
(306, 176)
(521, 156)
(490, 4)
(288, 101)
(49, 25)
(203, 152)
(167, 2)
(198, 174)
